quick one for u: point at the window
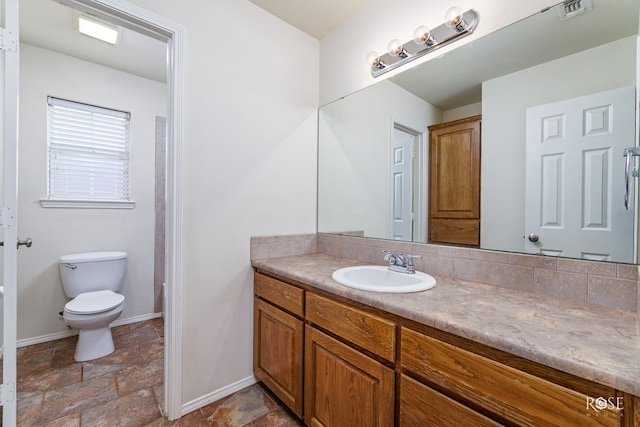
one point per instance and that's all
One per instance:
(88, 155)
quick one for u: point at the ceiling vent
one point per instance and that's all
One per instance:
(572, 8)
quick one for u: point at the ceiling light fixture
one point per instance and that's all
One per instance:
(457, 24)
(98, 29)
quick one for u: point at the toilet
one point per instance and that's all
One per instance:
(93, 279)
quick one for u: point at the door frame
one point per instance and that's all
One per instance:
(143, 21)
(8, 220)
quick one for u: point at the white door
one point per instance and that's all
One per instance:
(9, 143)
(574, 177)
(402, 185)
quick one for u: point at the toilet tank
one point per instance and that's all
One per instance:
(92, 271)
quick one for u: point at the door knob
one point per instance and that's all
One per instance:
(26, 242)
(533, 237)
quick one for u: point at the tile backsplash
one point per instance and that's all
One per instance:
(583, 282)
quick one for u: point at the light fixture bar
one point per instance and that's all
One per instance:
(441, 36)
(98, 29)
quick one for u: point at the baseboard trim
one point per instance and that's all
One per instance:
(71, 332)
(218, 394)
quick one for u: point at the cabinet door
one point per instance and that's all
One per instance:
(421, 406)
(277, 354)
(344, 387)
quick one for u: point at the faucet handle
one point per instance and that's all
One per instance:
(410, 259)
(393, 257)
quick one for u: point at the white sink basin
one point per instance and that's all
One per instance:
(378, 278)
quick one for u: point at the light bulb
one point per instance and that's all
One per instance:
(374, 61)
(453, 18)
(422, 36)
(396, 49)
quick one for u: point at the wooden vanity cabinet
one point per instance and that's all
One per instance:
(278, 339)
(336, 363)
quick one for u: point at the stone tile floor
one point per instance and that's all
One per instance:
(124, 388)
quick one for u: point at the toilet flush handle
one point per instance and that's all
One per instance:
(71, 266)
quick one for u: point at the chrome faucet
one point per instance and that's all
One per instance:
(400, 262)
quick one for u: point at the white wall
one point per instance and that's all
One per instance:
(55, 231)
(251, 94)
(602, 68)
(342, 65)
(354, 188)
(462, 112)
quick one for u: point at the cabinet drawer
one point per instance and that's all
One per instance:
(279, 293)
(512, 394)
(356, 326)
(422, 406)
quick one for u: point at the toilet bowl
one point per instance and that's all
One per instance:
(92, 280)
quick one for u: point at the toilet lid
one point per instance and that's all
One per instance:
(94, 302)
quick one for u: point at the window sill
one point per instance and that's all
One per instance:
(87, 204)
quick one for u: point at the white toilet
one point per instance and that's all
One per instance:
(92, 280)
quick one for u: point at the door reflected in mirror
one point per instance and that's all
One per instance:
(569, 191)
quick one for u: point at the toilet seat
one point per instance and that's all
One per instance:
(94, 302)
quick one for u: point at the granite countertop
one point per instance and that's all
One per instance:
(598, 344)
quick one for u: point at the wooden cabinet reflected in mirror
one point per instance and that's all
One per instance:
(454, 182)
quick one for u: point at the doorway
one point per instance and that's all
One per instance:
(171, 34)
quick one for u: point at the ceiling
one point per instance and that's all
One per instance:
(314, 17)
(50, 25)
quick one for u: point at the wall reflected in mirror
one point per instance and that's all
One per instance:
(557, 104)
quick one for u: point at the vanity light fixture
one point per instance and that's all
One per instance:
(457, 24)
(98, 29)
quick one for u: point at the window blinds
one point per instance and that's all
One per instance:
(88, 152)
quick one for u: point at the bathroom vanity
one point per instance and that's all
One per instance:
(462, 354)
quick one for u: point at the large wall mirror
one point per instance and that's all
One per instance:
(556, 95)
